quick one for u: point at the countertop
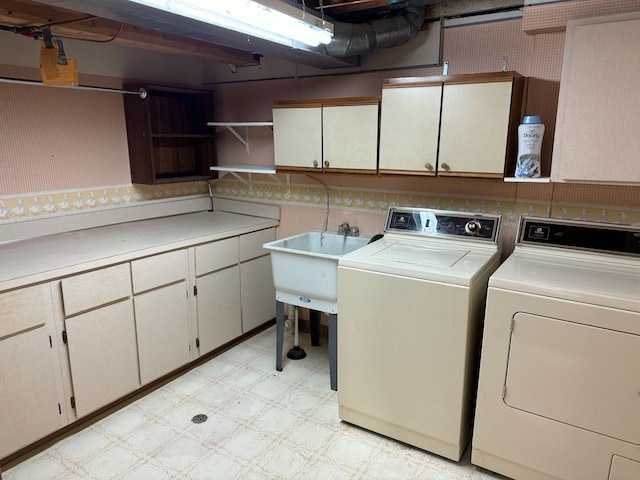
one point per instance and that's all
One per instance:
(44, 258)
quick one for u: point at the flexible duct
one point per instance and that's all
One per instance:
(352, 39)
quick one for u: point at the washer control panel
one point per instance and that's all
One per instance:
(427, 222)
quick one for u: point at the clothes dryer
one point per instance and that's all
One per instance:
(559, 385)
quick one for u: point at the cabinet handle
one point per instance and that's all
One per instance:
(326, 163)
(428, 166)
(445, 166)
(315, 163)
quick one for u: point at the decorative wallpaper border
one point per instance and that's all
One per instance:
(37, 205)
(378, 201)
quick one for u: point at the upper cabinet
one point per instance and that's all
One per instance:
(596, 138)
(168, 136)
(409, 127)
(458, 125)
(329, 135)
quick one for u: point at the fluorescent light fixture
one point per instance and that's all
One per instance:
(271, 20)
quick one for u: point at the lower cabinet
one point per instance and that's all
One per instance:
(103, 355)
(163, 330)
(31, 395)
(218, 308)
(258, 295)
(101, 339)
(217, 288)
(73, 345)
(161, 301)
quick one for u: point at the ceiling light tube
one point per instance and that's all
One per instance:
(270, 20)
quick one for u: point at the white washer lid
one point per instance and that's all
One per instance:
(420, 254)
(596, 279)
(428, 259)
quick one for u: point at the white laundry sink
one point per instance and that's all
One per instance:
(305, 268)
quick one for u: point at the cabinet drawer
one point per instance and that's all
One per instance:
(216, 255)
(163, 269)
(251, 243)
(24, 308)
(89, 290)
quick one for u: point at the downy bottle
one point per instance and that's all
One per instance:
(530, 133)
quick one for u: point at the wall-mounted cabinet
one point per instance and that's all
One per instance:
(458, 125)
(596, 137)
(168, 136)
(328, 135)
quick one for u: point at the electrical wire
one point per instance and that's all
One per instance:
(35, 31)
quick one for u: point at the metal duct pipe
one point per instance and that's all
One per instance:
(352, 39)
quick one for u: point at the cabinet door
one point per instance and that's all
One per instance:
(409, 129)
(258, 293)
(30, 380)
(350, 138)
(297, 137)
(474, 128)
(218, 308)
(103, 355)
(596, 137)
(162, 324)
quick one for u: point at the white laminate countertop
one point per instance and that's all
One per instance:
(44, 258)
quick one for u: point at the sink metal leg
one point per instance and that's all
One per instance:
(279, 334)
(333, 350)
(314, 320)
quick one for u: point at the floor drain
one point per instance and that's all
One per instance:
(200, 418)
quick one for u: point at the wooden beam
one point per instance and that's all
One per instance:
(81, 26)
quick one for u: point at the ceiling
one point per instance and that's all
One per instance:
(125, 23)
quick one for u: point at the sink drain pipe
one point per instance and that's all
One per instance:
(296, 353)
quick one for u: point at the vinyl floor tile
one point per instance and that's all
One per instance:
(261, 425)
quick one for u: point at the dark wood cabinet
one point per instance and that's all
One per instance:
(169, 140)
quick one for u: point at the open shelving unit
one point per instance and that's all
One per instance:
(247, 169)
(167, 134)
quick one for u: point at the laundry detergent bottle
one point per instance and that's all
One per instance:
(530, 133)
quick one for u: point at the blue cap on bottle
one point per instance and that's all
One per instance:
(531, 119)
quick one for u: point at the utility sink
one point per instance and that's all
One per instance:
(305, 268)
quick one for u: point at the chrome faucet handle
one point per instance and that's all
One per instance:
(354, 231)
(344, 228)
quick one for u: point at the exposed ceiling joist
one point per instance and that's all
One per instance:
(72, 24)
(460, 8)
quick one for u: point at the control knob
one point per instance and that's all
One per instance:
(473, 227)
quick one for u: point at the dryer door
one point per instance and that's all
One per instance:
(577, 374)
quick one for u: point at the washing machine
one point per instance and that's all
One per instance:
(411, 309)
(559, 383)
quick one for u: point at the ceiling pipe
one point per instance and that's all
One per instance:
(353, 39)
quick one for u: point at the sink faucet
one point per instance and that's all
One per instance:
(348, 230)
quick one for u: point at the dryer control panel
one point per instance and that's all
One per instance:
(427, 222)
(591, 236)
